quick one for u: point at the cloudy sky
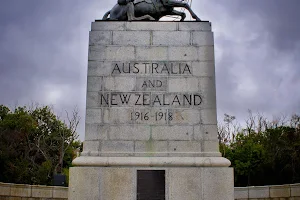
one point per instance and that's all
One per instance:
(44, 46)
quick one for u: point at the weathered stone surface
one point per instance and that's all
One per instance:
(185, 183)
(32, 192)
(166, 38)
(123, 84)
(91, 148)
(60, 192)
(94, 84)
(211, 146)
(151, 26)
(114, 160)
(117, 115)
(241, 193)
(206, 85)
(259, 192)
(172, 133)
(99, 68)
(120, 183)
(93, 100)
(96, 132)
(185, 178)
(151, 53)
(93, 116)
(185, 146)
(280, 191)
(111, 53)
(295, 190)
(208, 116)
(188, 26)
(117, 184)
(151, 105)
(87, 190)
(154, 43)
(18, 198)
(183, 84)
(208, 90)
(200, 38)
(183, 53)
(100, 38)
(128, 133)
(135, 38)
(206, 53)
(117, 146)
(5, 189)
(102, 26)
(217, 183)
(20, 191)
(41, 191)
(203, 68)
(205, 132)
(185, 117)
(152, 147)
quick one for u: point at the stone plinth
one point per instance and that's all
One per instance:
(151, 105)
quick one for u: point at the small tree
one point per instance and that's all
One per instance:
(34, 143)
(264, 152)
(227, 132)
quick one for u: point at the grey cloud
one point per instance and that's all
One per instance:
(43, 53)
(256, 47)
(280, 18)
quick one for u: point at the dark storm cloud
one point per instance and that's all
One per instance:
(31, 41)
(257, 48)
(40, 60)
(43, 52)
(280, 18)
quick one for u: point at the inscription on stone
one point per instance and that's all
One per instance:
(148, 99)
(168, 68)
(150, 88)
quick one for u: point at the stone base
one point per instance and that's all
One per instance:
(120, 183)
(151, 161)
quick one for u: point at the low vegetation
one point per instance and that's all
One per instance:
(262, 152)
(35, 144)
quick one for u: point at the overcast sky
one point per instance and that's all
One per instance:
(44, 46)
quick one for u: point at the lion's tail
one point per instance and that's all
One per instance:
(105, 17)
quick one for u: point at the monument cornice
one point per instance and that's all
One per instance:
(152, 161)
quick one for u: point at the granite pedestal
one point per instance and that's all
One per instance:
(151, 125)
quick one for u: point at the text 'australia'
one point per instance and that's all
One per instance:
(152, 68)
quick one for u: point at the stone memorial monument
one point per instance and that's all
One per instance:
(151, 125)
